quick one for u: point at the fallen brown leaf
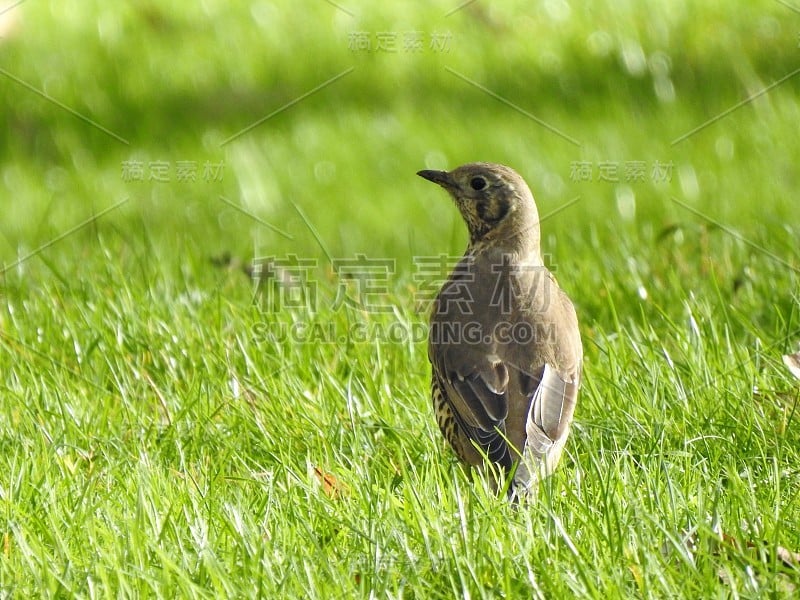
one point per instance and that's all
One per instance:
(793, 362)
(787, 557)
(331, 486)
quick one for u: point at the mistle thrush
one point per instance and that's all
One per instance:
(504, 343)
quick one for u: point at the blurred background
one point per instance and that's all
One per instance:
(660, 139)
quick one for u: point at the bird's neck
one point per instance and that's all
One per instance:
(522, 246)
(518, 252)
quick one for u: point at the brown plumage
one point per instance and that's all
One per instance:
(504, 344)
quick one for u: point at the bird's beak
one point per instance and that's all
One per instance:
(440, 177)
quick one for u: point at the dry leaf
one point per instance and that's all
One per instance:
(793, 362)
(330, 485)
(788, 558)
(637, 575)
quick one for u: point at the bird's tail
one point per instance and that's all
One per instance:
(536, 464)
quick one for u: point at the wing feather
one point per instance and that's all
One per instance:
(552, 407)
(477, 391)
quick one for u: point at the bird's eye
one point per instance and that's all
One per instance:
(477, 183)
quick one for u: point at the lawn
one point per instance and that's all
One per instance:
(171, 427)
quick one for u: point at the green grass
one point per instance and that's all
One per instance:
(162, 436)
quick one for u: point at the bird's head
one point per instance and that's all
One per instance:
(495, 202)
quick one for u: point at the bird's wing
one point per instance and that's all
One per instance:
(552, 406)
(476, 387)
(555, 396)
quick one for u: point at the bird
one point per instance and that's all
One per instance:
(503, 342)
